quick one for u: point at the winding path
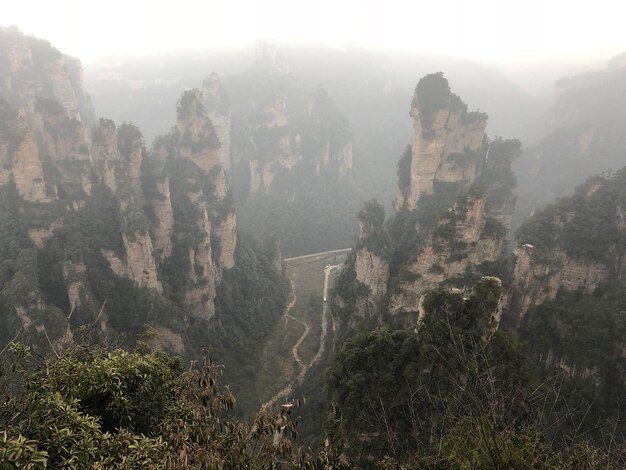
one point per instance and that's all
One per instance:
(304, 368)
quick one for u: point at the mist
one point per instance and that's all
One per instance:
(312, 234)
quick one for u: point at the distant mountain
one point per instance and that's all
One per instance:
(586, 135)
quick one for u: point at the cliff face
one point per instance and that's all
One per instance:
(451, 161)
(373, 271)
(462, 238)
(226, 233)
(273, 144)
(448, 142)
(454, 209)
(27, 171)
(138, 264)
(34, 69)
(277, 135)
(162, 206)
(44, 117)
(572, 245)
(196, 137)
(217, 105)
(537, 280)
(108, 215)
(372, 251)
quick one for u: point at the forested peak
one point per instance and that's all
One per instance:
(130, 138)
(589, 224)
(190, 105)
(372, 216)
(433, 94)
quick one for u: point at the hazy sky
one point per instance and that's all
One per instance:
(488, 30)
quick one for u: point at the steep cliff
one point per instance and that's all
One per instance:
(272, 144)
(107, 216)
(448, 141)
(326, 138)
(372, 251)
(195, 136)
(464, 237)
(217, 105)
(281, 134)
(567, 299)
(573, 245)
(456, 231)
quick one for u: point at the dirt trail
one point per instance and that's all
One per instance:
(304, 368)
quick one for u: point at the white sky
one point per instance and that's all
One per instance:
(501, 31)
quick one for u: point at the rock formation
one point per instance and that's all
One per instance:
(464, 237)
(448, 142)
(217, 105)
(277, 135)
(196, 136)
(572, 245)
(454, 208)
(327, 139)
(156, 218)
(372, 264)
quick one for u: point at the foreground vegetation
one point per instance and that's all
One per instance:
(92, 408)
(459, 394)
(455, 393)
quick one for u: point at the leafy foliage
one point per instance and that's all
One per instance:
(374, 237)
(585, 225)
(581, 338)
(89, 408)
(433, 94)
(450, 395)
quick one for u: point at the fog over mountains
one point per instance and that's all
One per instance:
(368, 242)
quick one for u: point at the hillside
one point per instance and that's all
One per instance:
(99, 230)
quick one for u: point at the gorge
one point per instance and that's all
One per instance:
(255, 288)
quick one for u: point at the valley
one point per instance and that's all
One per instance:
(302, 257)
(304, 325)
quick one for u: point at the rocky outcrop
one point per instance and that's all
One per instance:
(273, 145)
(573, 245)
(453, 161)
(373, 271)
(75, 276)
(27, 170)
(371, 262)
(539, 278)
(217, 106)
(280, 138)
(197, 139)
(202, 277)
(226, 233)
(96, 207)
(138, 263)
(344, 159)
(467, 236)
(35, 69)
(447, 140)
(162, 206)
(45, 105)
